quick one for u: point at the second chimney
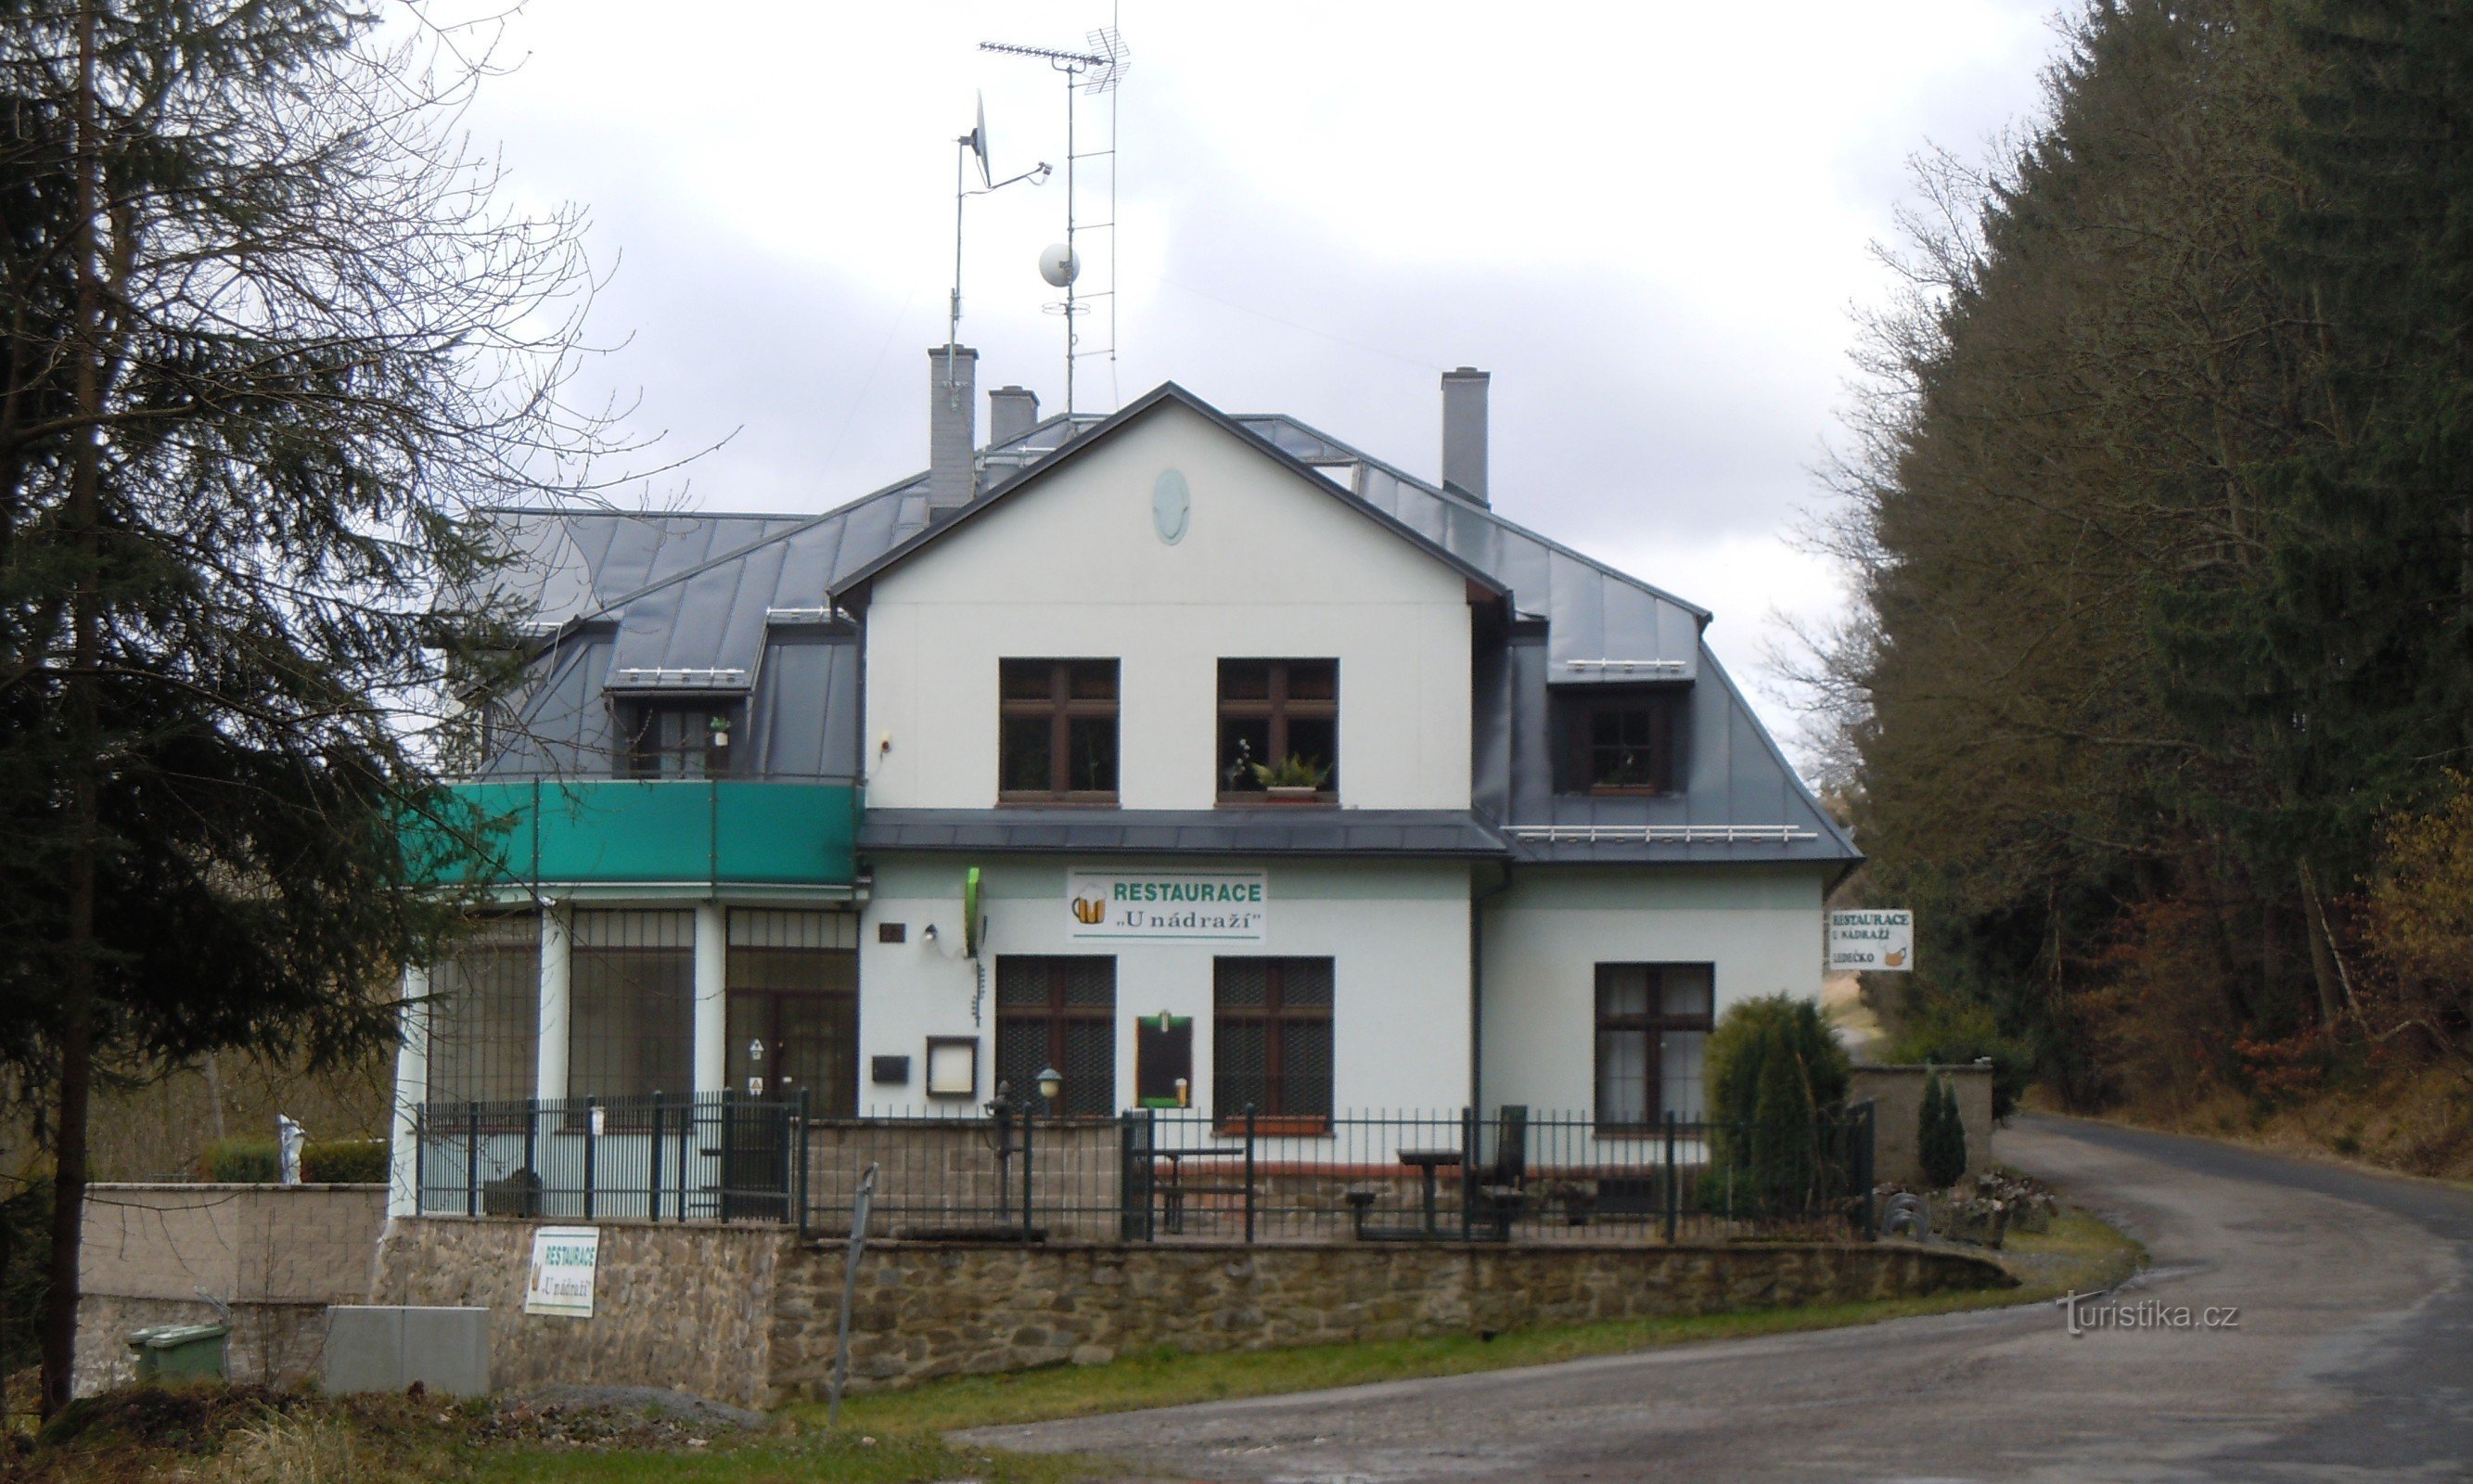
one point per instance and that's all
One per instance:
(1464, 432)
(1012, 411)
(953, 426)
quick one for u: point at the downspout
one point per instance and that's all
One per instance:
(1477, 986)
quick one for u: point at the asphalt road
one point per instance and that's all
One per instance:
(2352, 1359)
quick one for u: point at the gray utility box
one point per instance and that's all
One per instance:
(373, 1346)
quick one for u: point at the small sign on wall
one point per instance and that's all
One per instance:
(564, 1259)
(1873, 941)
(1168, 906)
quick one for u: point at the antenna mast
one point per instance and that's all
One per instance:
(970, 147)
(1092, 72)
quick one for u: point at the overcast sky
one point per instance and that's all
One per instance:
(1649, 222)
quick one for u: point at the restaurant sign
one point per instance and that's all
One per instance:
(1168, 906)
(564, 1261)
(1872, 940)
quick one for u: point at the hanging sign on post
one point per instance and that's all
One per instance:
(1872, 940)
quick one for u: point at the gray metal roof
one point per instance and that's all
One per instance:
(1268, 830)
(730, 604)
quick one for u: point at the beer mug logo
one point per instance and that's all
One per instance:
(1088, 912)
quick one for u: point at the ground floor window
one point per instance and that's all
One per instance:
(1060, 1013)
(485, 1012)
(793, 987)
(1653, 1023)
(1271, 1038)
(631, 1029)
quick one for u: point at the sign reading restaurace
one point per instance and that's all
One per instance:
(1873, 940)
(1168, 906)
(564, 1259)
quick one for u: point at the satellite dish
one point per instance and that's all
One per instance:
(980, 142)
(1060, 265)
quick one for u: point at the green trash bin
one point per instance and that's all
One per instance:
(179, 1352)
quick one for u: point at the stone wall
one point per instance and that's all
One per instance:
(748, 1314)
(1897, 1094)
(684, 1305)
(277, 1255)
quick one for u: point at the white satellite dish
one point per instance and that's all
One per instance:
(1060, 265)
(979, 143)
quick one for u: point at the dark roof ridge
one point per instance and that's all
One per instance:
(1489, 513)
(1092, 438)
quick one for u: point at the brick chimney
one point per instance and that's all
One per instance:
(1012, 411)
(953, 426)
(1464, 432)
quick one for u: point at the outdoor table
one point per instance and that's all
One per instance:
(1425, 1162)
(1172, 1194)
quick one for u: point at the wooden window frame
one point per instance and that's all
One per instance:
(1279, 708)
(1273, 1015)
(1580, 752)
(1057, 1015)
(1061, 710)
(1657, 1024)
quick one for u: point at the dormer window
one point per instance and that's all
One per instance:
(681, 738)
(1618, 740)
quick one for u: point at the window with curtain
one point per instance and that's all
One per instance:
(1653, 1022)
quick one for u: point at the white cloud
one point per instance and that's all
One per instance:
(1647, 221)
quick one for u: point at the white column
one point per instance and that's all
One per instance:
(711, 1006)
(411, 1088)
(549, 1063)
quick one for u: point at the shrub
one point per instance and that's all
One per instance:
(244, 1161)
(344, 1161)
(1950, 1030)
(1777, 1080)
(1940, 1134)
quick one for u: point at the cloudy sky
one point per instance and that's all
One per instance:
(1649, 222)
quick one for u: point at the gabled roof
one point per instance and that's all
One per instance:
(853, 589)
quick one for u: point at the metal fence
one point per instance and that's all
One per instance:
(719, 1157)
(1157, 1175)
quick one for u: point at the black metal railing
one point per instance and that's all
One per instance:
(1002, 1174)
(717, 1157)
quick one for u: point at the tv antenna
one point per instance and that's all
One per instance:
(969, 149)
(1092, 72)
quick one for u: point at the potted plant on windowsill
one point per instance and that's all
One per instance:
(1292, 779)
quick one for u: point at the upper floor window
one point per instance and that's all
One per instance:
(1056, 740)
(1279, 729)
(679, 739)
(1619, 742)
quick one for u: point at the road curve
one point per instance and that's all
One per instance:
(2352, 1360)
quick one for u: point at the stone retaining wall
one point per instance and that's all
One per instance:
(154, 1254)
(689, 1306)
(748, 1314)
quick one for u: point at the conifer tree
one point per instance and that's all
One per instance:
(1940, 1134)
(268, 343)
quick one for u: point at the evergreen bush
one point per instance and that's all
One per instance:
(1777, 1082)
(1940, 1134)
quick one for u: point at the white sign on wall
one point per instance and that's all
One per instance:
(1878, 940)
(564, 1259)
(1168, 906)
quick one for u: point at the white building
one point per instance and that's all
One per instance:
(1202, 758)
